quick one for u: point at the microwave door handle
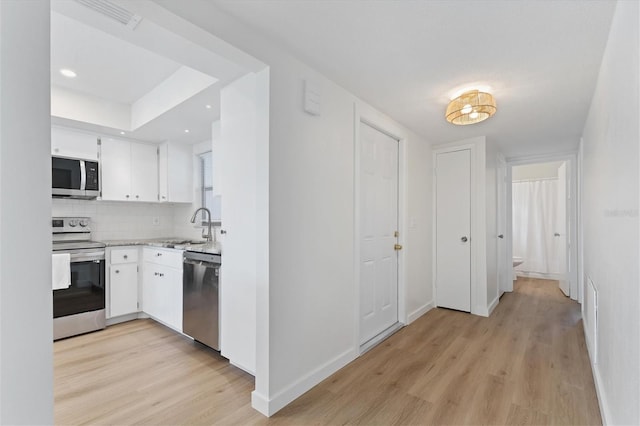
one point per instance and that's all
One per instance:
(83, 175)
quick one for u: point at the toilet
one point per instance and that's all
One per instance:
(517, 261)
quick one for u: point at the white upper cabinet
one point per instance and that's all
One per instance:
(129, 171)
(144, 172)
(73, 144)
(176, 173)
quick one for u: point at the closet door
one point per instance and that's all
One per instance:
(453, 230)
(560, 235)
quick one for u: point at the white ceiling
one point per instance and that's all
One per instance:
(112, 68)
(540, 59)
(107, 67)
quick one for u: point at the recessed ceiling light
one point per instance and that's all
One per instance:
(186, 130)
(207, 106)
(68, 73)
(122, 133)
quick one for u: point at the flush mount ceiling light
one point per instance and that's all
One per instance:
(470, 107)
(68, 73)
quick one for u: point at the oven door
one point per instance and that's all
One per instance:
(87, 290)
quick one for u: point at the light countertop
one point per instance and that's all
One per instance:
(169, 242)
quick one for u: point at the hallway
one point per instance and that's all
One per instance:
(526, 364)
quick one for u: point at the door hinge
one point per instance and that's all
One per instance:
(396, 234)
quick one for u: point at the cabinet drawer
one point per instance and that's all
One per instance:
(124, 255)
(166, 257)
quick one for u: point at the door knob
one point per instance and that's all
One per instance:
(397, 247)
(464, 239)
(500, 236)
(222, 231)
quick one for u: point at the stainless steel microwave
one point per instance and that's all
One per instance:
(75, 178)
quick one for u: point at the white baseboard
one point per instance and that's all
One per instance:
(122, 318)
(269, 407)
(602, 400)
(493, 305)
(420, 312)
(240, 366)
(260, 403)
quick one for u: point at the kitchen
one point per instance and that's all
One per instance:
(140, 125)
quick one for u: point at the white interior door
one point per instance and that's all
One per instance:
(453, 228)
(378, 225)
(560, 234)
(504, 264)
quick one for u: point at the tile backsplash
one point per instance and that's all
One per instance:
(128, 220)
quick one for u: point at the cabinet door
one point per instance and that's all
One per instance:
(150, 293)
(173, 278)
(123, 292)
(116, 169)
(163, 172)
(176, 173)
(162, 294)
(73, 144)
(144, 172)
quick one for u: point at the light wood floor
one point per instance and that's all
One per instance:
(526, 364)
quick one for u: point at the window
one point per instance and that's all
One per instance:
(208, 199)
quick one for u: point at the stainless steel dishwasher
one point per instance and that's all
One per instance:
(200, 301)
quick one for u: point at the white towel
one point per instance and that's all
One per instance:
(60, 271)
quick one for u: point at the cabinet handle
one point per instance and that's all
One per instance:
(223, 231)
(117, 271)
(127, 196)
(158, 254)
(161, 274)
(137, 196)
(164, 198)
(125, 257)
(155, 273)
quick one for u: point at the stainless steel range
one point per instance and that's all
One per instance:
(79, 300)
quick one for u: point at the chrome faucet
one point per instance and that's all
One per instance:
(208, 236)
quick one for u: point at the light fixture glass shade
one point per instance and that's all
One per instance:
(470, 107)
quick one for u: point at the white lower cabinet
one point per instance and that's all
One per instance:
(122, 275)
(162, 286)
(124, 289)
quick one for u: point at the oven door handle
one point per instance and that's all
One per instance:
(88, 257)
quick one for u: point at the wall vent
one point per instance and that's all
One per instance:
(113, 11)
(590, 318)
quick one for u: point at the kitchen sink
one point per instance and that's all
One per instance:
(177, 242)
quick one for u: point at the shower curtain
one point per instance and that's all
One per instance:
(534, 224)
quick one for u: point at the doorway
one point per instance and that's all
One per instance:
(541, 211)
(379, 232)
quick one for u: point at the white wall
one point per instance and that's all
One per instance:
(610, 218)
(78, 106)
(536, 171)
(26, 368)
(418, 249)
(113, 220)
(240, 209)
(310, 304)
